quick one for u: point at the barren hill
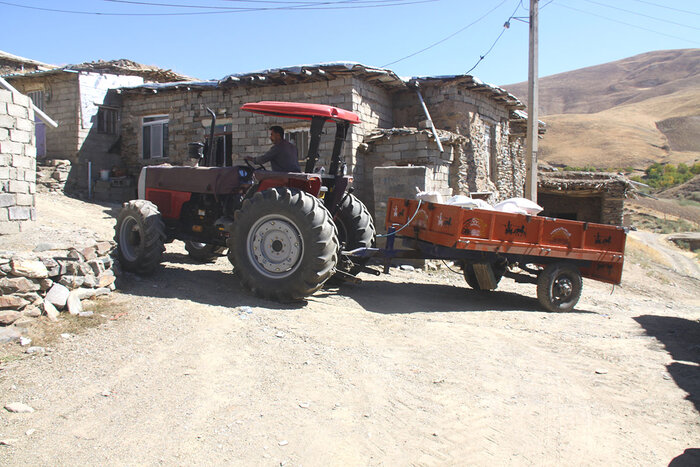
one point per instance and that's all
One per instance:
(627, 113)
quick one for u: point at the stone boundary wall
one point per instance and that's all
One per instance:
(46, 283)
(17, 162)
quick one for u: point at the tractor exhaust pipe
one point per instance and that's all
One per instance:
(210, 149)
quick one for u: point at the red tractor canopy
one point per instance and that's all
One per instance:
(301, 111)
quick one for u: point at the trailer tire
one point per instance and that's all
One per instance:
(284, 245)
(559, 287)
(470, 274)
(140, 236)
(355, 230)
(203, 252)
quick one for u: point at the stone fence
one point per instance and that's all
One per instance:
(47, 282)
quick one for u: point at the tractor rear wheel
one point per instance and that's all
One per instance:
(284, 245)
(204, 252)
(140, 234)
(559, 287)
(355, 230)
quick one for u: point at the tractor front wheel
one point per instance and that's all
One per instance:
(203, 252)
(140, 234)
(283, 245)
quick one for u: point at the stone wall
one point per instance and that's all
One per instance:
(583, 196)
(578, 208)
(189, 120)
(398, 182)
(61, 103)
(468, 113)
(408, 148)
(17, 162)
(51, 281)
(374, 106)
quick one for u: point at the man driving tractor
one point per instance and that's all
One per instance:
(282, 155)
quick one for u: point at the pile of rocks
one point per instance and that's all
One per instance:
(49, 281)
(51, 175)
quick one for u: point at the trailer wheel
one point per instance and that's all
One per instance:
(203, 252)
(355, 230)
(470, 274)
(559, 287)
(140, 234)
(283, 245)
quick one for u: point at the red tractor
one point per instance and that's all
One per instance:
(285, 232)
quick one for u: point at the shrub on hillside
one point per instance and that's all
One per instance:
(663, 176)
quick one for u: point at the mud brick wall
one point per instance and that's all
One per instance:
(17, 162)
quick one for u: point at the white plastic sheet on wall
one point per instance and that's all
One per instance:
(94, 87)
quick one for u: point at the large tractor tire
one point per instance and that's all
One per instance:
(355, 230)
(140, 234)
(284, 245)
(559, 287)
(204, 252)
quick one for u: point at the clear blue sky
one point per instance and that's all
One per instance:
(573, 34)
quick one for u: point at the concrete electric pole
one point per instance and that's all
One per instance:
(532, 103)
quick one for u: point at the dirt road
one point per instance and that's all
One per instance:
(411, 368)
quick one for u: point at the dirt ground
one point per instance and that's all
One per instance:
(410, 368)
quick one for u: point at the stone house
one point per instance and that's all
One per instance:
(76, 96)
(11, 64)
(478, 125)
(583, 196)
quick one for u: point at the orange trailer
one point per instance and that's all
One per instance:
(553, 253)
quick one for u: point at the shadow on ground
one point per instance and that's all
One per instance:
(221, 287)
(681, 338)
(382, 296)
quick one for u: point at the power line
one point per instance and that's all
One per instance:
(299, 7)
(448, 37)
(668, 7)
(506, 26)
(284, 5)
(626, 24)
(642, 14)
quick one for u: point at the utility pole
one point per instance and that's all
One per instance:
(532, 104)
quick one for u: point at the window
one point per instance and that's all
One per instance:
(155, 137)
(300, 139)
(37, 98)
(490, 152)
(223, 144)
(107, 119)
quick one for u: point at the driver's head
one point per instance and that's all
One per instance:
(276, 134)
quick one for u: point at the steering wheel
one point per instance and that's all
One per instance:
(252, 166)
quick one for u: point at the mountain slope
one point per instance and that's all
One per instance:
(627, 113)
